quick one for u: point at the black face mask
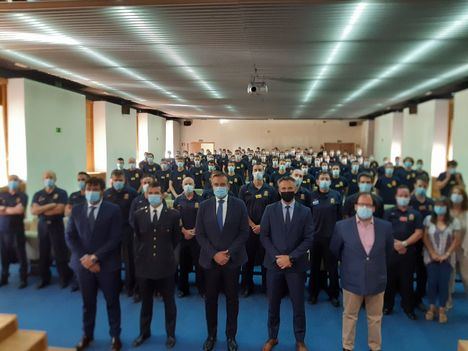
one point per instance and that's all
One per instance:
(287, 196)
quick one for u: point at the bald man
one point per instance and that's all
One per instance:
(48, 205)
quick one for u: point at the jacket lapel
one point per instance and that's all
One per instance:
(377, 238)
(213, 210)
(357, 237)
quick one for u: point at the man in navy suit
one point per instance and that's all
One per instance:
(222, 230)
(94, 234)
(286, 233)
(363, 244)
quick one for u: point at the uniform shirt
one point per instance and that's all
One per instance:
(387, 187)
(424, 208)
(76, 198)
(326, 211)
(339, 184)
(12, 223)
(422, 173)
(303, 196)
(446, 190)
(235, 183)
(207, 180)
(138, 203)
(407, 177)
(133, 178)
(163, 178)
(353, 186)
(58, 196)
(123, 199)
(156, 211)
(308, 182)
(348, 207)
(225, 203)
(177, 177)
(197, 174)
(277, 176)
(188, 209)
(404, 223)
(240, 167)
(150, 169)
(256, 200)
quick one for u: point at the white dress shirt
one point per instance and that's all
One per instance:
(225, 199)
(291, 209)
(156, 211)
(96, 211)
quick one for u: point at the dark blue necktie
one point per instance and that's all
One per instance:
(219, 215)
(288, 216)
(92, 218)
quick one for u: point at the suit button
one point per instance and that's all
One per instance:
(154, 238)
(367, 258)
(154, 246)
(154, 254)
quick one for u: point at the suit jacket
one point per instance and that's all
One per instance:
(362, 274)
(104, 241)
(294, 241)
(233, 236)
(156, 245)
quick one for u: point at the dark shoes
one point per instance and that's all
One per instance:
(387, 311)
(312, 300)
(182, 294)
(43, 284)
(140, 340)
(270, 344)
(170, 342)
(246, 292)
(411, 315)
(335, 302)
(232, 345)
(209, 344)
(116, 344)
(84, 343)
(23, 284)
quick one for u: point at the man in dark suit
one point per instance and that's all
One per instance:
(157, 235)
(363, 244)
(287, 235)
(222, 229)
(94, 235)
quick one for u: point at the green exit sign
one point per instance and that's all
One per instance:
(58, 130)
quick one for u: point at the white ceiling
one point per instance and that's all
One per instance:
(330, 59)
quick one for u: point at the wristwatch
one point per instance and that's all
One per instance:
(404, 243)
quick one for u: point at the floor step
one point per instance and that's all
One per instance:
(25, 340)
(8, 325)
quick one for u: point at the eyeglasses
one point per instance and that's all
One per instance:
(365, 205)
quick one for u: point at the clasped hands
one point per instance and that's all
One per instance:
(398, 246)
(283, 261)
(188, 233)
(90, 263)
(222, 257)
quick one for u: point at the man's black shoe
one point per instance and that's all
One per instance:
(84, 343)
(140, 340)
(209, 344)
(232, 344)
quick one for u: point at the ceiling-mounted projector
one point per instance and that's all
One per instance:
(257, 88)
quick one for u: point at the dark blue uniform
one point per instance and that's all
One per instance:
(177, 177)
(387, 187)
(353, 186)
(12, 235)
(401, 268)
(150, 169)
(51, 232)
(76, 198)
(308, 182)
(407, 177)
(326, 211)
(196, 173)
(235, 183)
(256, 200)
(339, 184)
(133, 178)
(303, 196)
(425, 208)
(189, 249)
(124, 199)
(447, 190)
(163, 178)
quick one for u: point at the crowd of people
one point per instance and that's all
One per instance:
(365, 230)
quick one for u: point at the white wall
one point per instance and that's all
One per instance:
(269, 133)
(151, 135)
(460, 131)
(383, 136)
(35, 110)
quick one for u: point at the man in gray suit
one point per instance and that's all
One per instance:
(363, 244)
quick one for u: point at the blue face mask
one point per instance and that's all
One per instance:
(365, 187)
(118, 185)
(389, 171)
(325, 168)
(355, 168)
(408, 164)
(81, 184)
(298, 182)
(364, 212)
(324, 185)
(282, 168)
(154, 200)
(49, 183)
(420, 191)
(180, 164)
(93, 196)
(335, 172)
(456, 198)
(13, 185)
(231, 169)
(452, 170)
(188, 188)
(258, 175)
(220, 191)
(211, 168)
(440, 210)
(145, 187)
(402, 201)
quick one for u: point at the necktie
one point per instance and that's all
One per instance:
(155, 217)
(219, 215)
(92, 218)
(288, 216)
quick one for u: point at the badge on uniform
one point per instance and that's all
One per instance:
(265, 194)
(403, 219)
(258, 196)
(235, 180)
(340, 185)
(332, 200)
(137, 175)
(133, 178)
(315, 202)
(389, 185)
(179, 178)
(302, 197)
(394, 183)
(411, 217)
(196, 205)
(55, 197)
(126, 197)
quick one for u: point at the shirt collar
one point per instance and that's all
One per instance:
(290, 205)
(95, 205)
(224, 198)
(358, 220)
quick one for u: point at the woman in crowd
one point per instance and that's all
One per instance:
(441, 240)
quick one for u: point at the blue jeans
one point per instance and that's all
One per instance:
(438, 277)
